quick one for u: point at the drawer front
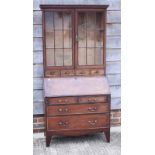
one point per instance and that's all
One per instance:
(97, 72)
(53, 73)
(77, 109)
(77, 122)
(93, 99)
(61, 100)
(67, 73)
(82, 72)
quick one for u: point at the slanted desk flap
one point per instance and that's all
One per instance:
(74, 86)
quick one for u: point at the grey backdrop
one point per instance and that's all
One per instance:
(113, 46)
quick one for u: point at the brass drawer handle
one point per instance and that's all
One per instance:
(92, 109)
(92, 99)
(52, 73)
(61, 123)
(63, 110)
(60, 109)
(89, 99)
(62, 101)
(92, 122)
(59, 101)
(66, 110)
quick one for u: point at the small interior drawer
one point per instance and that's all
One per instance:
(67, 73)
(96, 72)
(82, 72)
(52, 73)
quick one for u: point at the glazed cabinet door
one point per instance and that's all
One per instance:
(74, 38)
(90, 38)
(58, 33)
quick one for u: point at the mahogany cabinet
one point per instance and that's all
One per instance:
(76, 91)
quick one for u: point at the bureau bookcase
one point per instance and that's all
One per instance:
(76, 91)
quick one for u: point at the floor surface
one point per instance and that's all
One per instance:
(85, 145)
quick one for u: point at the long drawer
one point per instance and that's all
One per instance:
(77, 109)
(77, 122)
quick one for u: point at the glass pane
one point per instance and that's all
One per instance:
(90, 56)
(82, 30)
(59, 57)
(50, 39)
(67, 57)
(67, 20)
(58, 20)
(99, 38)
(50, 57)
(98, 20)
(82, 56)
(67, 39)
(82, 38)
(90, 36)
(90, 39)
(58, 39)
(91, 20)
(99, 56)
(82, 20)
(49, 21)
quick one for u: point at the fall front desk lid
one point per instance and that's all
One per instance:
(75, 86)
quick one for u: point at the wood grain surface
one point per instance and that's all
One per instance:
(74, 86)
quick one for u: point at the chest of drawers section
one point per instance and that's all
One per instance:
(77, 115)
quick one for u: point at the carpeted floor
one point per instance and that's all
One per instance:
(86, 145)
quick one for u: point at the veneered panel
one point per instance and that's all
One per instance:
(75, 86)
